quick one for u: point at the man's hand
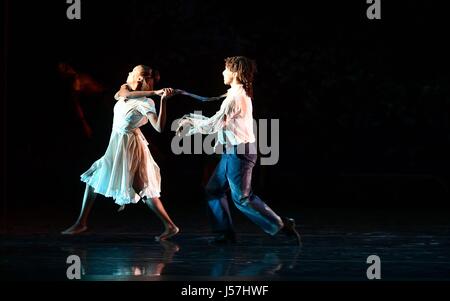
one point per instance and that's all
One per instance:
(182, 125)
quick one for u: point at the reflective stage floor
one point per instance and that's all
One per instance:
(326, 255)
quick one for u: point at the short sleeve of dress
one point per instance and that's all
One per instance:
(117, 97)
(147, 106)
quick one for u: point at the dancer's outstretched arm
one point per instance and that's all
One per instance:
(126, 92)
(201, 98)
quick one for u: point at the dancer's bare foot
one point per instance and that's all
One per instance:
(171, 231)
(75, 229)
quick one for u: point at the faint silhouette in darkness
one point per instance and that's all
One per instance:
(81, 84)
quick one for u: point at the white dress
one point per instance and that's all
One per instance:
(127, 171)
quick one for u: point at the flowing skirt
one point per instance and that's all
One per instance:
(127, 171)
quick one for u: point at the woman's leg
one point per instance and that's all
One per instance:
(80, 224)
(170, 228)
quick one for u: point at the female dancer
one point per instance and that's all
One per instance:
(127, 171)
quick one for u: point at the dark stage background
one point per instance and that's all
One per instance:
(363, 105)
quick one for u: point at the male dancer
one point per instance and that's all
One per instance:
(234, 125)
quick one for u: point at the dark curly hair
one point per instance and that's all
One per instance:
(245, 69)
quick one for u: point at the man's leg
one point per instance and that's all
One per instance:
(215, 190)
(239, 175)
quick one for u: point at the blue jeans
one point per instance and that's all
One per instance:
(234, 171)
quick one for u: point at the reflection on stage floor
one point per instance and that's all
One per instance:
(331, 255)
